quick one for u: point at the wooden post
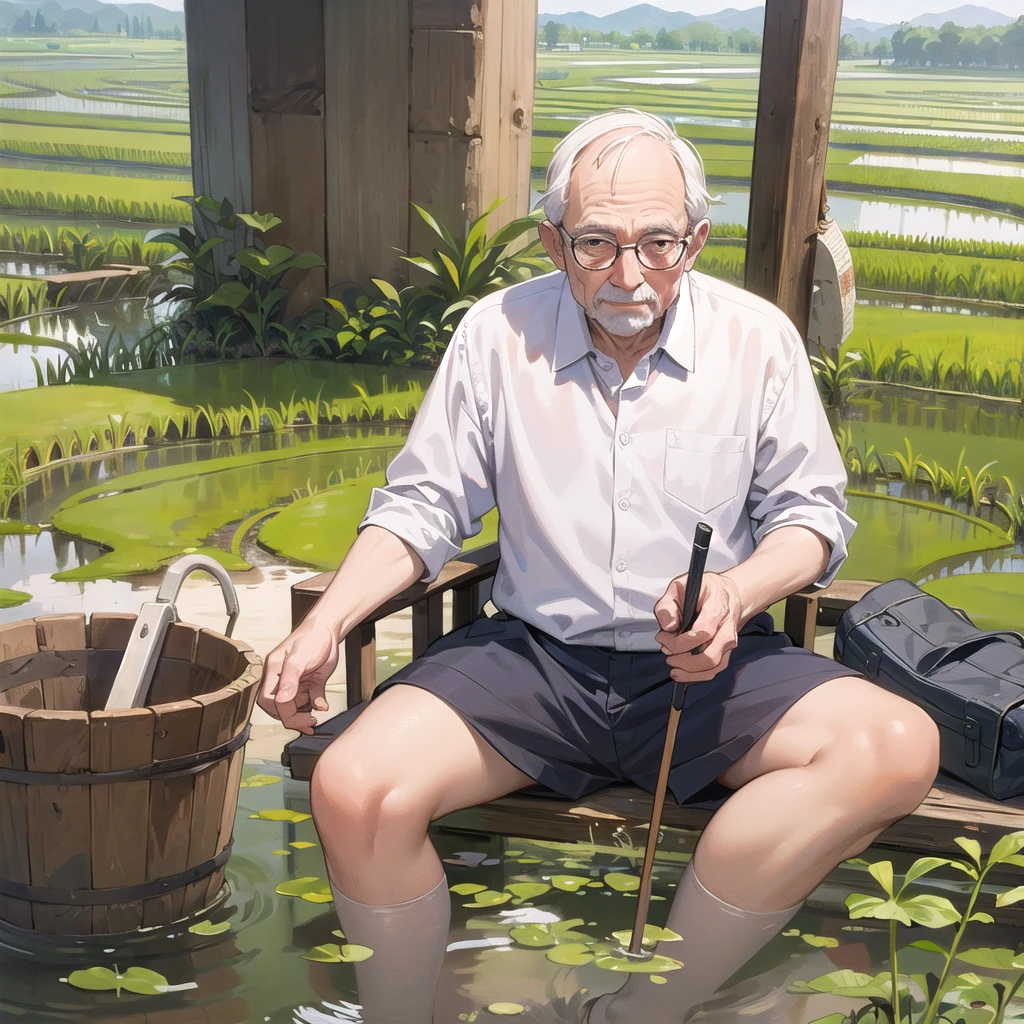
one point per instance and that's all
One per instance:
(218, 89)
(794, 106)
(366, 109)
(286, 126)
(470, 111)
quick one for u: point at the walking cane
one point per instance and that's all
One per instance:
(698, 557)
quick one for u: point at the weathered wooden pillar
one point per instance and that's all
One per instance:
(470, 110)
(218, 87)
(367, 138)
(794, 106)
(286, 124)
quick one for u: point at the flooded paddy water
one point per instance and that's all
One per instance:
(265, 955)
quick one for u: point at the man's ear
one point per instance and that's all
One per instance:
(551, 239)
(699, 236)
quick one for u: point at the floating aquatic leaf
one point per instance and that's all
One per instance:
(209, 928)
(139, 980)
(489, 898)
(301, 844)
(595, 885)
(258, 780)
(305, 886)
(469, 1017)
(318, 897)
(570, 954)
(282, 814)
(845, 983)
(791, 931)
(658, 979)
(280, 853)
(568, 883)
(527, 890)
(621, 882)
(538, 936)
(529, 860)
(506, 1009)
(652, 934)
(657, 964)
(339, 933)
(332, 953)
(820, 941)
(467, 888)
(514, 853)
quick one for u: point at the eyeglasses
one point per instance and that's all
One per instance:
(599, 252)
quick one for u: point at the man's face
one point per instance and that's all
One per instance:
(643, 198)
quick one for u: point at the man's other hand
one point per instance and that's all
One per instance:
(701, 652)
(296, 673)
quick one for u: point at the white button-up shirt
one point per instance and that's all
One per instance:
(600, 482)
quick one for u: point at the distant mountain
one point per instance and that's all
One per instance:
(68, 15)
(967, 16)
(654, 19)
(867, 31)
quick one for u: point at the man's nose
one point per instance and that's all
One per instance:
(627, 272)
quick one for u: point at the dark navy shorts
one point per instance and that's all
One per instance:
(576, 718)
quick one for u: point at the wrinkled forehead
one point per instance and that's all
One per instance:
(627, 166)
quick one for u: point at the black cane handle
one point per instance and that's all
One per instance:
(694, 581)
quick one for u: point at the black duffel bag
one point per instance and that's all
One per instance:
(971, 682)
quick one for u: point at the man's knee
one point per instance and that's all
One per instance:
(888, 748)
(358, 804)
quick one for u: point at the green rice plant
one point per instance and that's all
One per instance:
(22, 200)
(12, 481)
(861, 464)
(976, 484)
(119, 428)
(20, 297)
(833, 375)
(906, 464)
(956, 481)
(932, 473)
(1013, 509)
(106, 154)
(943, 993)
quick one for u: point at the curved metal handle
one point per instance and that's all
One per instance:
(187, 564)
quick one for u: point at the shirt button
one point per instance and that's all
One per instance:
(624, 438)
(620, 566)
(623, 503)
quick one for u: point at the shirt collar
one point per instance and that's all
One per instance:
(572, 336)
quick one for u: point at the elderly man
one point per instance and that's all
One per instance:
(605, 409)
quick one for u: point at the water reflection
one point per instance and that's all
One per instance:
(951, 164)
(61, 103)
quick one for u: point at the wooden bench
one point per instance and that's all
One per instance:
(950, 810)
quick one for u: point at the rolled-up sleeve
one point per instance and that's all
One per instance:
(799, 477)
(440, 484)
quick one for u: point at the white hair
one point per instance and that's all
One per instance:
(627, 123)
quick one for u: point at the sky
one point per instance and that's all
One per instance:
(179, 5)
(885, 11)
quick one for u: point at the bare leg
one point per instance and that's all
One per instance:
(841, 765)
(408, 759)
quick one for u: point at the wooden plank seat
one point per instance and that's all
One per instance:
(950, 810)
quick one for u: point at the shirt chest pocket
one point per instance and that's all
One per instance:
(703, 470)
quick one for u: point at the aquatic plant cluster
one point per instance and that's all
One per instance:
(959, 485)
(939, 370)
(180, 160)
(116, 247)
(945, 994)
(19, 298)
(202, 422)
(17, 199)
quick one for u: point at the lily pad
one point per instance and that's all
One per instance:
(255, 781)
(621, 882)
(569, 883)
(537, 936)
(280, 853)
(301, 844)
(139, 980)
(467, 888)
(820, 941)
(652, 934)
(570, 954)
(527, 890)
(657, 979)
(209, 928)
(282, 814)
(506, 1009)
(529, 860)
(306, 887)
(332, 953)
(656, 965)
(489, 898)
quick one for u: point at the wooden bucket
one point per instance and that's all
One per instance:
(112, 821)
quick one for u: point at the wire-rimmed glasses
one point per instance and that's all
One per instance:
(594, 251)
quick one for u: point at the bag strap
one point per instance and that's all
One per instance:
(936, 659)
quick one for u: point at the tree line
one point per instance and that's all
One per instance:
(698, 36)
(955, 46)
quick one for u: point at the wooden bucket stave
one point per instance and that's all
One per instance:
(134, 850)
